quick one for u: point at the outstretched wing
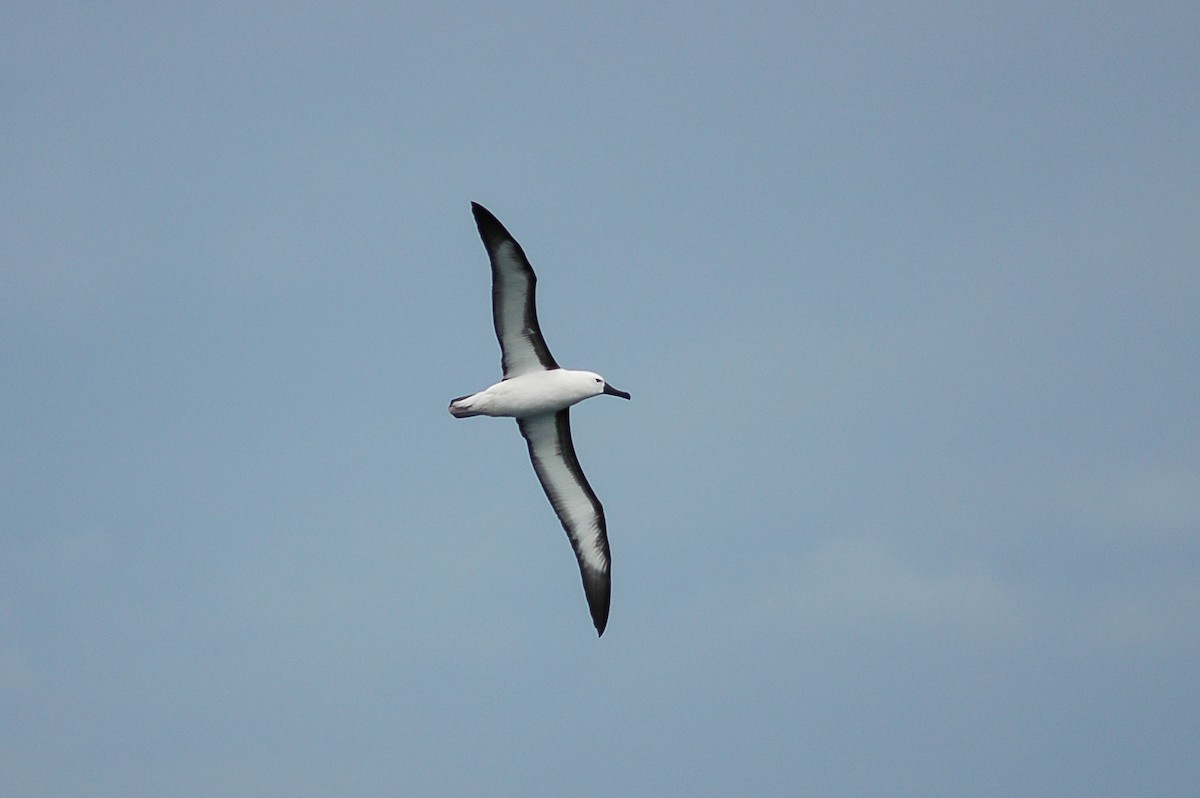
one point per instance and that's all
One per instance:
(557, 467)
(514, 310)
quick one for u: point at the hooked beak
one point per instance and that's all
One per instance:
(608, 389)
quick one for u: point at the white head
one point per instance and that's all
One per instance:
(596, 385)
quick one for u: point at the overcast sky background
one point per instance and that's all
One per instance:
(907, 500)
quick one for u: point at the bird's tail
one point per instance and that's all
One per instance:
(461, 407)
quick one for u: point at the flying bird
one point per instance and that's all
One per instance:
(538, 394)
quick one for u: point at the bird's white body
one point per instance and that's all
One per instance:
(533, 394)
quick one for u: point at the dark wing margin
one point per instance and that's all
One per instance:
(514, 306)
(582, 516)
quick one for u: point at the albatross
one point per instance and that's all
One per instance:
(538, 393)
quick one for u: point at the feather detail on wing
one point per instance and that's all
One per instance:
(514, 309)
(582, 516)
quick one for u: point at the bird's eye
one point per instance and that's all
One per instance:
(599, 380)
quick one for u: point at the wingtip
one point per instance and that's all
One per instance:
(482, 214)
(599, 592)
(601, 624)
(490, 229)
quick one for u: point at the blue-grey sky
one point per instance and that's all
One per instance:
(907, 500)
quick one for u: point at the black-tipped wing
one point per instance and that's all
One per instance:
(514, 310)
(557, 467)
